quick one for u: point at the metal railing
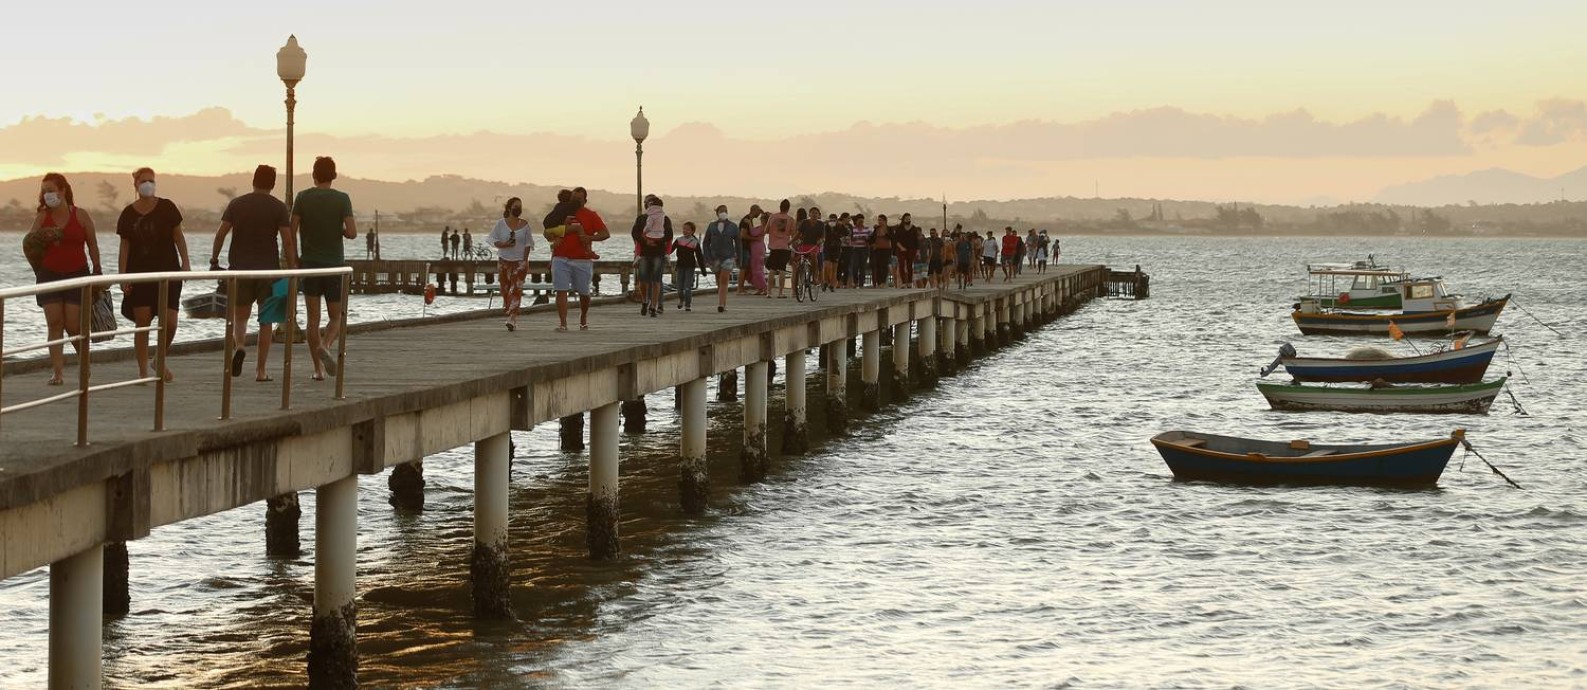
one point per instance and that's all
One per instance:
(90, 286)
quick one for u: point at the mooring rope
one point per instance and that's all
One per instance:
(1534, 318)
(1484, 460)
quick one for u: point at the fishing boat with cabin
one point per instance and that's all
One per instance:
(1358, 285)
(1198, 456)
(1427, 308)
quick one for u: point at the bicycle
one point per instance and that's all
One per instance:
(805, 275)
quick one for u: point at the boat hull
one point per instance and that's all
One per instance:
(1460, 399)
(1466, 365)
(1390, 301)
(1479, 318)
(208, 305)
(1418, 464)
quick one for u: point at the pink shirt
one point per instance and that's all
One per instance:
(779, 230)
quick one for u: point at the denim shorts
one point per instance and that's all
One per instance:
(649, 269)
(571, 274)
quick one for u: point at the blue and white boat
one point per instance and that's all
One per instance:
(1460, 364)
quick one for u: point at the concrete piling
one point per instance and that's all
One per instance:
(333, 647)
(407, 486)
(488, 566)
(795, 436)
(926, 343)
(871, 371)
(753, 463)
(694, 481)
(901, 380)
(572, 433)
(634, 412)
(601, 506)
(281, 526)
(837, 402)
(76, 619)
(961, 342)
(117, 588)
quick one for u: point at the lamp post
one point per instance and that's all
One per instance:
(290, 64)
(640, 128)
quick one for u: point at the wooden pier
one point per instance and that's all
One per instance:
(66, 506)
(1128, 284)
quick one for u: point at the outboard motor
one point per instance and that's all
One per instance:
(1285, 350)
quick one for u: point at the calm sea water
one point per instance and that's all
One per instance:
(1012, 527)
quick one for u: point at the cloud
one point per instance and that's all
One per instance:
(1494, 121)
(1557, 120)
(1028, 157)
(46, 142)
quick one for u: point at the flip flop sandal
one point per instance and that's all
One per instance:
(237, 359)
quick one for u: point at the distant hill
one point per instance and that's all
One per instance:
(1491, 186)
(426, 205)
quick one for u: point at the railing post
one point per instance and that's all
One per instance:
(230, 349)
(341, 340)
(159, 359)
(85, 324)
(291, 311)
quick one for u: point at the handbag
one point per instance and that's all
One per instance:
(104, 318)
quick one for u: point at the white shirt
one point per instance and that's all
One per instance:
(518, 252)
(990, 248)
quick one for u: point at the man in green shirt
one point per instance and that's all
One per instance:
(321, 218)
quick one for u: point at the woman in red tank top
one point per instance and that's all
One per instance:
(60, 246)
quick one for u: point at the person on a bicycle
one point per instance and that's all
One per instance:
(807, 248)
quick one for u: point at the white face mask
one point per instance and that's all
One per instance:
(146, 189)
(52, 200)
(722, 216)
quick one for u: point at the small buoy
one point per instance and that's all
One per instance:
(429, 293)
(1344, 298)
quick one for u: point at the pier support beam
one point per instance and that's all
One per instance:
(634, 412)
(752, 464)
(488, 566)
(837, 370)
(573, 433)
(333, 648)
(947, 336)
(727, 386)
(927, 344)
(795, 432)
(1002, 332)
(118, 591)
(976, 341)
(407, 486)
(871, 371)
(76, 634)
(961, 338)
(281, 526)
(600, 510)
(901, 380)
(694, 481)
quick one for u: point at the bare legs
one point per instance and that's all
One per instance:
(59, 317)
(142, 317)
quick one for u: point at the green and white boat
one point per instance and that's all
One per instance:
(1359, 285)
(1467, 398)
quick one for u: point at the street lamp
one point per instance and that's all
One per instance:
(640, 128)
(290, 64)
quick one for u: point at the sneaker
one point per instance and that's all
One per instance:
(644, 309)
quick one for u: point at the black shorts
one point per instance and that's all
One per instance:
(988, 261)
(255, 290)
(964, 266)
(329, 287)
(44, 275)
(934, 268)
(778, 261)
(146, 295)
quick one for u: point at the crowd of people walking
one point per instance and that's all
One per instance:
(760, 253)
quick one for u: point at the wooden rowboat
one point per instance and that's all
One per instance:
(1198, 456)
(1465, 365)
(1466, 398)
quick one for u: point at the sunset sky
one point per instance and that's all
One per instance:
(1265, 101)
